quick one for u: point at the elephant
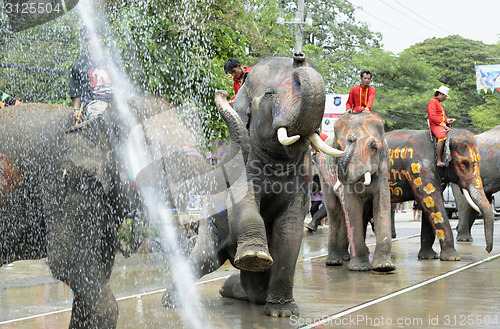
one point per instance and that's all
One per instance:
(488, 144)
(63, 195)
(414, 175)
(355, 188)
(280, 107)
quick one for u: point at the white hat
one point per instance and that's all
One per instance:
(444, 90)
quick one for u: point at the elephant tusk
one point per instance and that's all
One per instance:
(284, 139)
(368, 178)
(337, 185)
(469, 200)
(323, 147)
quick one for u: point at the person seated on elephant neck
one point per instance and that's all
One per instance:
(233, 66)
(438, 123)
(361, 97)
(90, 84)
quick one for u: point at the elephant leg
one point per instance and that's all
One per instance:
(337, 241)
(381, 208)
(252, 253)
(285, 246)
(208, 254)
(393, 220)
(427, 237)
(94, 306)
(359, 251)
(466, 216)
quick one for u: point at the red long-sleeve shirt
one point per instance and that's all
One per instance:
(237, 82)
(436, 113)
(360, 98)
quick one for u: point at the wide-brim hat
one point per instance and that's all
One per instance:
(444, 90)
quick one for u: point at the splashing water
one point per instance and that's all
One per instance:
(157, 208)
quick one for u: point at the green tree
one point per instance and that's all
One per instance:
(487, 115)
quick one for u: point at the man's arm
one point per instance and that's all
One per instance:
(371, 98)
(77, 114)
(350, 101)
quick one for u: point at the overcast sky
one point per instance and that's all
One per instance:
(406, 22)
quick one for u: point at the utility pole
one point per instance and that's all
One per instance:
(298, 21)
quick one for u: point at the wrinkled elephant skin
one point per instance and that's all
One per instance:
(364, 191)
(488, 144)
(261, 234)
(414, 175)
(62, 197)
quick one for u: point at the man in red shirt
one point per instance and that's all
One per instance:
(438, 123)
(361, 97)
(239, 73)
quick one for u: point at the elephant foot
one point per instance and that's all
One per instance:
(359, 264)
(337, 260)
(281, 307)
(252, 258)
(461, 237)
(232, 288)
(379, 264)
(427, 254)
(449, 255)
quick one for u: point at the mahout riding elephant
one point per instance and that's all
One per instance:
(355, 189)
(280, 106)
(488, 144)
(414, 175)
(62, 195)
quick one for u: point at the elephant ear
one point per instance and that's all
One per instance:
(89, 149)
(242, 105)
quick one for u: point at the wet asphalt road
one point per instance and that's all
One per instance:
(419, 294)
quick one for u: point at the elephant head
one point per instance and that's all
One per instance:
(286, 107)
(464, 170)
(361, 137)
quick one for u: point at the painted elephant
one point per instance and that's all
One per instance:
(280, 106)
(355, 189)
(62, 196)
(414, 176)
(488, 144)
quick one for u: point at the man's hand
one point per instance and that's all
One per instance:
(447, 128)
(451, 121)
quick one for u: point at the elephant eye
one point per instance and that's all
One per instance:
(466, 164)
(373, 146)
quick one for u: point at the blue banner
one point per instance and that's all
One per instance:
(487, 77)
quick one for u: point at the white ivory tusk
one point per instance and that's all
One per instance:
(323, 147)
(469, 200)
(368, 178)
(284, 139)
(337, 185)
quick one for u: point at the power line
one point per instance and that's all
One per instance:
(419, 38)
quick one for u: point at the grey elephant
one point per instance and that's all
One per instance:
(279, 107)
(414, 175)
(488, 144)
(355, 188)
(62, 196)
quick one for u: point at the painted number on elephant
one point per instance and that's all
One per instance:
(10, 177)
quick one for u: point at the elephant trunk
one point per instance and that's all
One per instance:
(479, 198)
(345, 160)
(237, 131)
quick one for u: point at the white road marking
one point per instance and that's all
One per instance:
(399, 292)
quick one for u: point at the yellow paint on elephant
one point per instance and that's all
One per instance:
(429, 188)
(440, 234)
(479, 182)
(401, 152)
(437, 217)
(415, 168)
(418, 182)
(429, 202)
